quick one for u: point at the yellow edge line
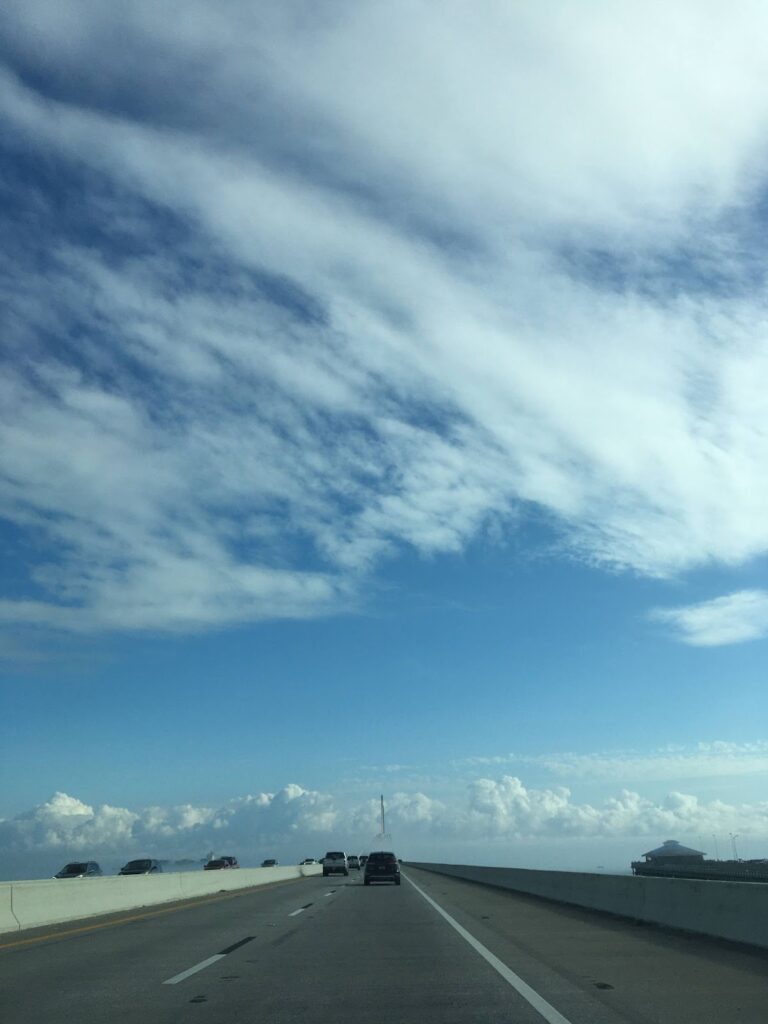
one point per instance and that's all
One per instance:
(140, 917)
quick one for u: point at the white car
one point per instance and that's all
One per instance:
(335, 863)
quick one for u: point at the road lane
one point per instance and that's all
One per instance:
(376, 954)
(578, 960)
(531, 996)
(32, 936)
(111, 973)
(356, 954)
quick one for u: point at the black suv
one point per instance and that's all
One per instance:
(382, 866)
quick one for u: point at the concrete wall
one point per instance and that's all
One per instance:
(53, 900)
(8, 922)
(728, 910)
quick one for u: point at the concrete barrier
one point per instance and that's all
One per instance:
(737, 911)
(51, 901)
(8, 922)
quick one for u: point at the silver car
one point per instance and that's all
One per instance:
(335, 863)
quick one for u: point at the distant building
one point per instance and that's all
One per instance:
(673, 860)
(673, 853)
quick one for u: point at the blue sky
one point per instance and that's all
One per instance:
(352, 351)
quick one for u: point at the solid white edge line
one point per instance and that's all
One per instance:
(193, 970)
(295, 912)
(547, 1011)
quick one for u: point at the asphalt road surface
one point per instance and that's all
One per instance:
(332, 951)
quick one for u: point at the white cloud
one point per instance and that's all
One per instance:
(520, 274)
(65, 826)
(295, 821)
(731, 619)
(66, 823)
(506, 807)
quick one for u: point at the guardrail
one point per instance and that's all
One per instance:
(52, 901)
(737, 911)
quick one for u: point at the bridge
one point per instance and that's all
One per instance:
(440, 948)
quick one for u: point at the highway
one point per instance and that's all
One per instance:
(331, 951)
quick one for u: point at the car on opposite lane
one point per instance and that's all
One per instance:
(80, 869)
(270, 862)
(145, 866)
(221, 863)
(382, 866)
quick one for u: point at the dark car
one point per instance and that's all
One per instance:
(80, 869)
(269, 863)
(221, 863)
(141, 867)
(363, 860)
(382, 866)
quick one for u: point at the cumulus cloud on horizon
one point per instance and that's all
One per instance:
(67, 825)
(314, 289)
(296, 819)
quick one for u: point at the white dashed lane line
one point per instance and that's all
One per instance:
(207, 963)
(220, 956)
(300, 910)
(193, 970)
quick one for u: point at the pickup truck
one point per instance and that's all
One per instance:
(335, 863)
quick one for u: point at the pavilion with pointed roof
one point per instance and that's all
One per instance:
(673, 852)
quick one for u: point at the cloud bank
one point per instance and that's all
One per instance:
(318, 286)
(296, 822)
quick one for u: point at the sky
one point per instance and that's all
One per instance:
(383, 409)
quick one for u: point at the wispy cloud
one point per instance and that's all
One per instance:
(332, 294)
(731, 619)
(706, 760)
(716, 759)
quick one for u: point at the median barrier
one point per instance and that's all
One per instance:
(737, 911)
(8, 922)
(199, 883)
(30, 904)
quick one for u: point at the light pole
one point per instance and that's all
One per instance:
(734, 836)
